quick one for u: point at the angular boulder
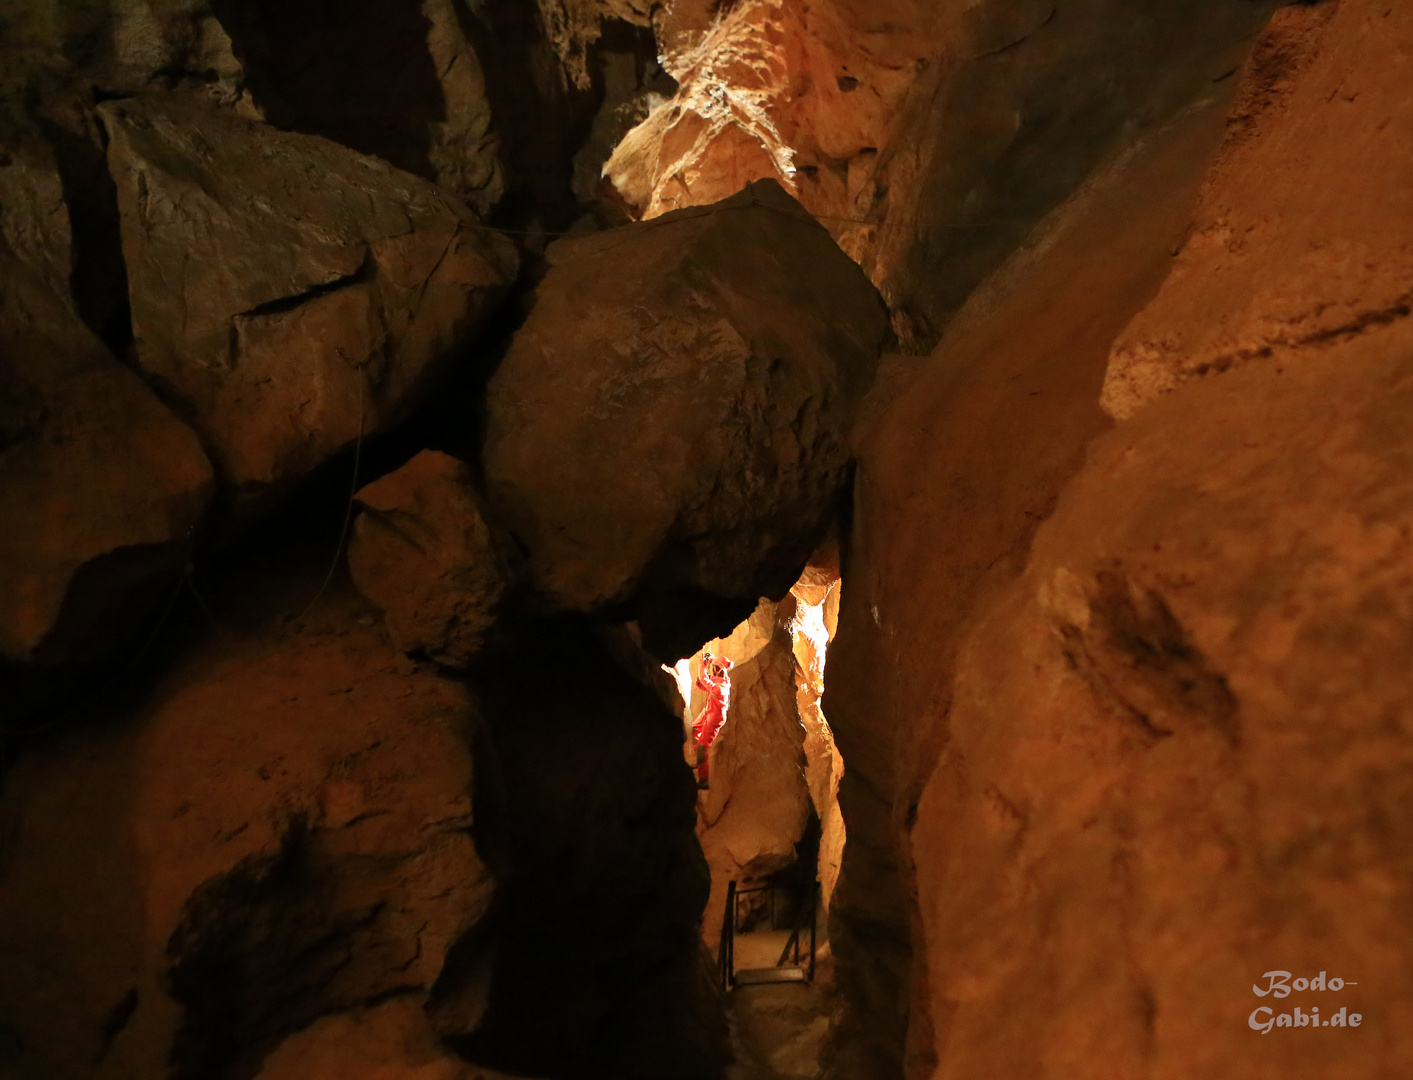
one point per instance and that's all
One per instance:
(423, 553)
(668, 432)
(290, 294)
(101, 487)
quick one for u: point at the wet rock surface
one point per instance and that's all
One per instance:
(668, 431)
(289, 295)
(422, 551)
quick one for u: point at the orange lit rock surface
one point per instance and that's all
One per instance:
(1147, 687)
(289, 294)
(423, 553)
(756, 809)
(280, 833)
(1301, 240)
(669, 427)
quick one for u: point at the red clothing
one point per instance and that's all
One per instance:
(708, 723)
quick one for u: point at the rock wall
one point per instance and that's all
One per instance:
(280, 832)
(757, 808)
(1112, 700)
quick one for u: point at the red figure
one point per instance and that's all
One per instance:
(717, 685)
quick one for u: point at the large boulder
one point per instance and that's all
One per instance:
(422, 552)
(101, 487)
(289, 294)
(669, 430)
(279, 832)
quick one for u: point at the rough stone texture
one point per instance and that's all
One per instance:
(288, 293)
(805, 93)
(668, 429)
(954, 477)
(929, 138)
(1189, 731)
(424, 554)
(119, 46)
(598, 969)
(814, 626)
(756, 809)
(308, 64)
(101, 487)
(1248, 287)
(1135, 760)
(281, 831)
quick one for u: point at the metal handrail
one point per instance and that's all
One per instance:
(726, 951)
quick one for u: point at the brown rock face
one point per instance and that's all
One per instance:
(1247, 287)
(671, 420)
(758, 804)
(426, 112)
(423, 553)
(289, 293)
(101, 487)
(281, 833)
(1186, 730)
(1135, 756)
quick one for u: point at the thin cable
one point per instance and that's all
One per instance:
(348, 512)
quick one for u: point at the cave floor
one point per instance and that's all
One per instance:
(777, 1031)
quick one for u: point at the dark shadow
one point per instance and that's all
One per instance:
(355, 71)
(99, 280)
(589, 825)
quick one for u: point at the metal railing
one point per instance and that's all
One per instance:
(806, 918)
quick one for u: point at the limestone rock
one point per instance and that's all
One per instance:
(1187, 731)
(289, 293)
(1299, 239)
(423, 553)
(1147, 749)
(101, 487)
(758, 804)
(281, 831)
(668, 431)
(953, 480)
(118, 46)
(427, 112)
